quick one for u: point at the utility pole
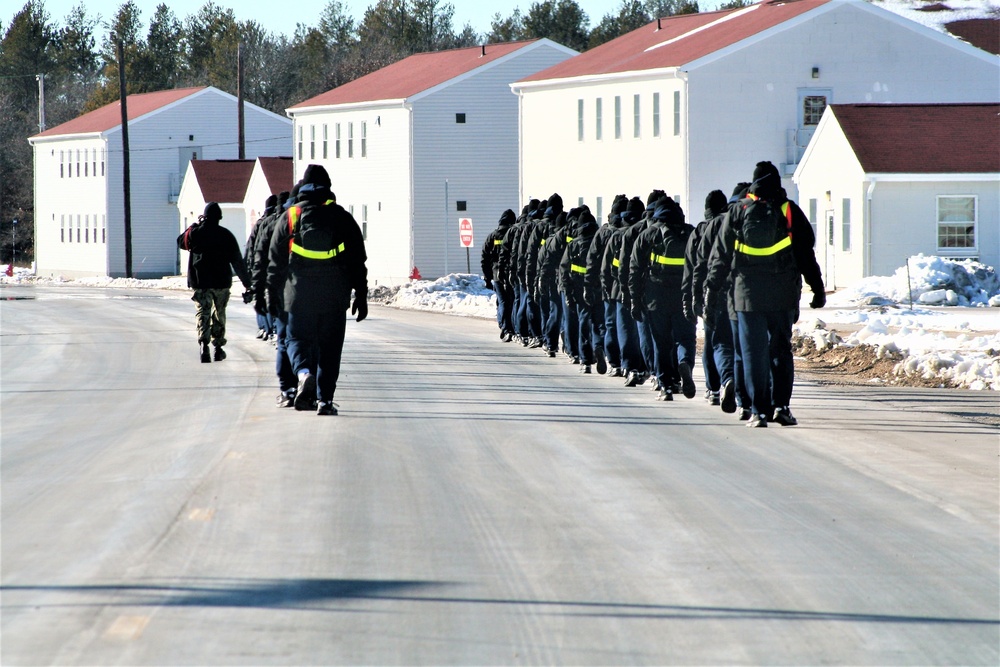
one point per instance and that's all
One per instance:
(126, 178)
(41, 102)
(239, 102)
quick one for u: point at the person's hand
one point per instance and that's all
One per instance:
(360, 307)
(247, 296)
(688, 311)
(260, 304)
(818, 300)
(637, 313)
(711, 302)
(273, 303)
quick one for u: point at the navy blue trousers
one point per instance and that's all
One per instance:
(768, 366)
(316, 341)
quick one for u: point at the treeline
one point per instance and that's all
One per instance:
(78, 58)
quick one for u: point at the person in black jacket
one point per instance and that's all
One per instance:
(716, 363)
(656, 272)
(214, 255)
(265, 326)
(492, 254)
(766, 242)
(317, 258)
(573, 279)
(597, 292)
(633, 363)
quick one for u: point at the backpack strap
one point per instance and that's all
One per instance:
(294, 213)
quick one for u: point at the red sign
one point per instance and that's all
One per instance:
(465, 232)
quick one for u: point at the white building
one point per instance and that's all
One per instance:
(417, 145)
(79, 200)
(889, 181)
(271, 176)
(690, 103)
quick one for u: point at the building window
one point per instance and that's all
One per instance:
(460, 118)
(104, 229)
(829, 228)
(956, 222)
(813, 107)
(600, 209)
(94, 157)
(350, 140)
(579, 201)
(579, 120)
(86, 229)
(845, 226)
(677, 113)
(336, 141)
(618, 117)
(460, 205)
(598, 118)
(364, 139)
(102, 161)
(364, 221)
(656, 114)
(62, 164)
(813, 207)
(635, 117)
(79, 224)
(300, 141)
(62, 228)
(78, 171)
(86, 164)
(324, 140)
(312, 142)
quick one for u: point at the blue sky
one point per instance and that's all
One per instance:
(478, 13)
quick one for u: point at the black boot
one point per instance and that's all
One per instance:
(206, 356)
(220, 354)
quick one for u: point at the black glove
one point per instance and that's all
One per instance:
(273, 303)
(711, 302)
(247, 296)
(818, 300)
(688, 311)
(260, 304)
(637, 313)
(360, 306)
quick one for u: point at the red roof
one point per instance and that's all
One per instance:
(279, 173)
(413, 75)
(110, 115)
(923, 138)
(223, 181)
(677, 40)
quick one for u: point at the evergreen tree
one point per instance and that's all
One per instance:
(562, 21)
(510, 29)
(631, 16)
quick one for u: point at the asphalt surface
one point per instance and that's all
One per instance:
(474, 503)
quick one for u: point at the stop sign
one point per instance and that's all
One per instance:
(465, 232)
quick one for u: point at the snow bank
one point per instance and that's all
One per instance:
(929, 281)
(456, 294)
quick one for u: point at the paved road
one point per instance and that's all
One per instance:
(474, 503)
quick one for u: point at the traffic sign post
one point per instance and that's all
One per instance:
(465, 239)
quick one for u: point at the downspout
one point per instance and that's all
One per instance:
(520, 146)
(686, 140)
(868, 228)
(410, 175)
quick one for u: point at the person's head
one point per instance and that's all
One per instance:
(666, 210)
(507, 217)
(212, 214)
(739, 192)
(283, 197)
(715, 203)
(554, 207)
(317, 176)
(634, 211)
(269, 204)
(766, 180)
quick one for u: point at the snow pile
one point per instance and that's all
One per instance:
(928, 281)
(456, 294)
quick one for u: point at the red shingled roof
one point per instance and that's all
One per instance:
(110, 115)
(223, 181)
(279, 173)
(413, 75)
(677, 40)
(923, 138)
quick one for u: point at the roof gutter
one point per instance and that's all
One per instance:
(595, 79)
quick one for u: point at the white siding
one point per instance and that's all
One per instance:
(380, 181)
(555, 160)
(478, 158)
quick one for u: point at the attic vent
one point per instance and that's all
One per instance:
(484, 49)
(659, 25)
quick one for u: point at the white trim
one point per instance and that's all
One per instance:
(347, 106)
(597, 79)
(935, 177)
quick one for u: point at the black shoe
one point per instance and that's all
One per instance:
(585, 369)
(206, 356)
(665, 395)
(326, 408)
(305, 396)
(602, 363)
(632, 379)
(728, 397)
(687, 382)
(715, 399)
(535, 342)
(551, 353)
(784, 417)
(286, 399)
(220, 354)
(757, 421)
(743, 414)
(262, 334)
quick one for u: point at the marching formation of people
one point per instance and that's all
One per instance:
(302, 261)
(623, 298)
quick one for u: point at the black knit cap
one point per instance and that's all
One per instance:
(213, 212)
(316, 174)
(715, 202)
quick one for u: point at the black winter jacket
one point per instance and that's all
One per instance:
(312, 285)
(214, 255)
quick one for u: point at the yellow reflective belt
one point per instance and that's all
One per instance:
(543, 241)
(577, 268)
(568, 239)
(764, 252)
(317, 254)
(497, 241)
(662, 259)
(616, 263)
